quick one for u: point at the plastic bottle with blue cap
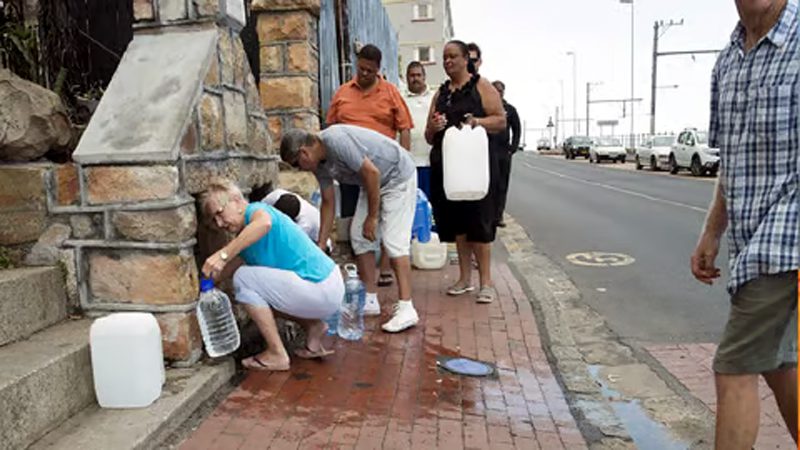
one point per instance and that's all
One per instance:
(217, 322)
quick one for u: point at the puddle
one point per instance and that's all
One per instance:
(645, 432)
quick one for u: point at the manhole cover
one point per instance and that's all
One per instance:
(601, 259)
(466, 366)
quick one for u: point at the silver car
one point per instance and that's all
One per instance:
(654, 152)
(609, 148)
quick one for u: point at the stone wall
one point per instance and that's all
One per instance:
(289, 84)
(182, 107)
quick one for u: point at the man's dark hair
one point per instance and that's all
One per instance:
(259, 192)
(415, 64)
(498, 82)
(370, 53)
(288, 204)
(473, 47)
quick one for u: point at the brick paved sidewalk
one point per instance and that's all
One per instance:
(386, 392)
(691, 365)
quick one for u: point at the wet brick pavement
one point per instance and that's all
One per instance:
(386, 391)
(691, 365)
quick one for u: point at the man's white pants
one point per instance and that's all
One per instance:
(396, 217)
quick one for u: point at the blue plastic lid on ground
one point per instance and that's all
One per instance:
(466, 366)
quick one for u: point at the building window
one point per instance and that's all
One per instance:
(423, 11)
(425, 55)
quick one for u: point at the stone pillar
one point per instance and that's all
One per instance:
(182, 107)
(289, 85)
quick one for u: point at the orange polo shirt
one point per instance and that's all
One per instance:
(382, 109)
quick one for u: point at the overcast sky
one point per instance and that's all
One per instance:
(525, 42)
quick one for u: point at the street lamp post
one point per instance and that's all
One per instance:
(630, 2)
(574, 93)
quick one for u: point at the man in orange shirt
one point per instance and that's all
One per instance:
(371, 102)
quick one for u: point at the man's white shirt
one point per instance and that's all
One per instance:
(419, 106)
(307, 218)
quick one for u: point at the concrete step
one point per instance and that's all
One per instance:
(44, 380)
(30, 300)
(146, 428)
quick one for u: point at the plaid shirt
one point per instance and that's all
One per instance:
(754, 123)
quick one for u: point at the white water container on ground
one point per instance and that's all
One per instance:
(465, 160)
(127, 360)
(431, 255)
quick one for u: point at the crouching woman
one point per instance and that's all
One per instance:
(277, 271)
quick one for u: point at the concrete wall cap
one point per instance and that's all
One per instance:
(312, 6)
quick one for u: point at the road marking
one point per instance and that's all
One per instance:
(617, 189)
(601, 259)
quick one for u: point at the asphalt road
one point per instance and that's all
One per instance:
(570, 207)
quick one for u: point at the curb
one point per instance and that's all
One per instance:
(620, 397)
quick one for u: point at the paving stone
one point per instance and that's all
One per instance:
(386, 391)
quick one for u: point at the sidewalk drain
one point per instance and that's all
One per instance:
(466, 366)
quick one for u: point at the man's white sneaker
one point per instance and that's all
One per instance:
(371, 306)
(404, 316)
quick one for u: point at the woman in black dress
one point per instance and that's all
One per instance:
(466, 99)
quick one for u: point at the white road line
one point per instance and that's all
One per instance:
(618, 189)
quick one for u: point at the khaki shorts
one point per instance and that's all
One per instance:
(761, 334)
(396, 217)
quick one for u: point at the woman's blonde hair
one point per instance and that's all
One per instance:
(217, 186)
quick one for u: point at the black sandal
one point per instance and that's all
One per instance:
(385, 279)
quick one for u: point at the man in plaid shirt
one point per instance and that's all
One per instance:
(755, 95)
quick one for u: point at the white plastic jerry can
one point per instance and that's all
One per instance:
(431, 255)
(465, 160)
(127, 360)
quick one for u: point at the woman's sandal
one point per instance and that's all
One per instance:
(256, 364)
(459, 290)
(487, 294)
(385, 279)
(307, 353)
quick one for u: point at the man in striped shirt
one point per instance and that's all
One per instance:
(754, 122)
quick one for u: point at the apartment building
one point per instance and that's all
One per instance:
(423, 27)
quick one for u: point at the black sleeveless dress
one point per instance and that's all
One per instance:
(475, 219)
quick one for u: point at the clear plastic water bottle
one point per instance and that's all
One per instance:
(217, 322)
(351, 317)
(333, 323)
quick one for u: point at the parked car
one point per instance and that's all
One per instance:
(691, 151)
(543, 144)
(609, 148)
(577, 146)
(654, 152)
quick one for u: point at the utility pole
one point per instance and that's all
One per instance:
(588, 87)
(555, 143)
(653, 80)
(588, 102)
(659, 28)
(574, 91)
(657, 33)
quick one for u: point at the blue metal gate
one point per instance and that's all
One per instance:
(368, 23)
